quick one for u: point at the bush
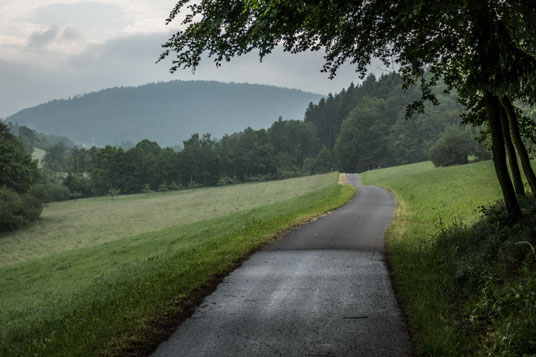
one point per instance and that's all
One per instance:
(452, 148)
(31, 207)
(18, 174)
(163, 187)
(173, 186)
(79, 184)
(56, 192)
(490, 275)
(10, 210)
(17, 210)
(226, 180)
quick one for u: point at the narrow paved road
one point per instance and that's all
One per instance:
(322, 290)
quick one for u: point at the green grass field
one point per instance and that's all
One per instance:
(439, 194)
(94, 275)
(82, 223)
(453, 278)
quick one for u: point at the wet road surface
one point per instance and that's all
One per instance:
(322, 290)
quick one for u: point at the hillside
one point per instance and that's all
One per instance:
(366, 127)
(122, 269)
(464, 272)
(166, 112)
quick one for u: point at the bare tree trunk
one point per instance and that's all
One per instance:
(512, 157)
(521, 149)
(499, 155)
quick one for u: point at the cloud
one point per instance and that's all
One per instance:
(40, 39)
(130, 60)
(71, 34)
(86, 14)
(51, 35)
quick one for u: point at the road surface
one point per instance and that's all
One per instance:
(322, 290)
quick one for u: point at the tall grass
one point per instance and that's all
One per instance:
(104, 298)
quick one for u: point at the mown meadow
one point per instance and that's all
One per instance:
(86, 222)
(464, 274)
(101, 277)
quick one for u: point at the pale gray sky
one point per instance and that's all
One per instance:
(52, 49)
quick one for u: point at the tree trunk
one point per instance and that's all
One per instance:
(499, 155)
(518, 142)
(512, 157)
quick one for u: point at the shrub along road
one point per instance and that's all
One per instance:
(321, 290)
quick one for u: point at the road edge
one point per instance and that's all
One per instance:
(176, 312)
(398, 215)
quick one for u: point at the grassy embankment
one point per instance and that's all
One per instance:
(466, 277)
(101, 276)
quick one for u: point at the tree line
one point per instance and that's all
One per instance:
(288, 148)
(369, 129)
(360, 128)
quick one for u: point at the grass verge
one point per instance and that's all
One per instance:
(465, 276)
(111, 298)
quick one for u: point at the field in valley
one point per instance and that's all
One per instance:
(92, 276)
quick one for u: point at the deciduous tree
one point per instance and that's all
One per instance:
(484, 48)
(19, 200)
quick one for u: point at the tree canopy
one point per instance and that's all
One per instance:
(483, 49)
(17, 170)
(19, 203)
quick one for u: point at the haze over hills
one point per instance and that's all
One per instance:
(166, 112)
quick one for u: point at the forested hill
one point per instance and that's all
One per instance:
(167, 112)
(330, 112)
(365, 125)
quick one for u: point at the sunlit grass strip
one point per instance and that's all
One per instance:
(101, 299)
(343, 179)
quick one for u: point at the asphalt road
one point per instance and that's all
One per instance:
(322, 290)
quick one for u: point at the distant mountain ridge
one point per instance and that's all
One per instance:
(166, 112)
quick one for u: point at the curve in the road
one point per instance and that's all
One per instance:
(360, 225)
(322, 290)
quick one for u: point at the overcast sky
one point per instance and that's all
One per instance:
(52, 49)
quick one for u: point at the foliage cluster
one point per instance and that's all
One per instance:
(20, 201)
(491, 266)
(454, 146)
(289, 148)
(367, 128)
(329, 113)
